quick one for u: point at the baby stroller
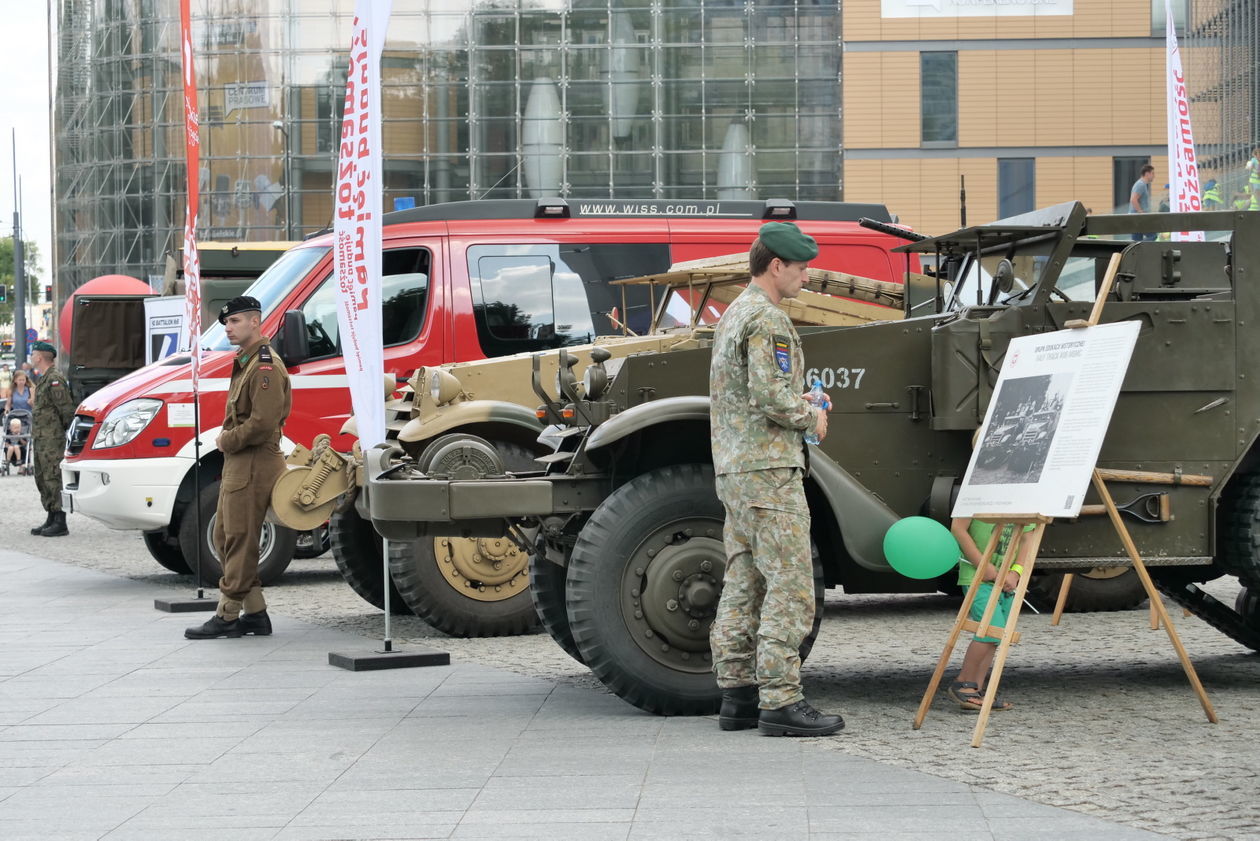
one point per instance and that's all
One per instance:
(17, 450)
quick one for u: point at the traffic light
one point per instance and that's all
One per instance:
(48, 292)
(4, 293)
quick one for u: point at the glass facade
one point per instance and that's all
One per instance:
(502, 98)
(1221, 49)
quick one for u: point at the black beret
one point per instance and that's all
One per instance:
(787, 242)
(241, 303)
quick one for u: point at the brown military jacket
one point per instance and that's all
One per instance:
(258, 402)
(756, 379)
(52, 407)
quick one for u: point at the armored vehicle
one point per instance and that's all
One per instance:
(624, 528)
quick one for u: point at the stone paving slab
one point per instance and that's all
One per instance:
(115, 727)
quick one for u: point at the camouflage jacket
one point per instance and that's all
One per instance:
(756, 382)
(52, 407)
(258, 402)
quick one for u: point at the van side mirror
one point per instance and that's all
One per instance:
(294, 342)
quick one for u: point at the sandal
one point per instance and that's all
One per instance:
(970, 699)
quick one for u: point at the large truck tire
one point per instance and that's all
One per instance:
(440, 580)
(546, 586)
(1100, 589)
(642, 589)
(356, 549)
(275, 543)
(165, 550)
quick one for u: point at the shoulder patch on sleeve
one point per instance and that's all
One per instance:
(782, 353)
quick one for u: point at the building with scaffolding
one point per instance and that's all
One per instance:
(639, 99)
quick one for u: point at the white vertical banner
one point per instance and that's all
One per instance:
(357, 222)
(1183, 168)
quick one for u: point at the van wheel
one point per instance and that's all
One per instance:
(1102, 588)
(643, 587)
(166, 551)
(275, 543)
(356, 547)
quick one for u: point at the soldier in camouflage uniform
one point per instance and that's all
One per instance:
(759, 419)
(51, 411)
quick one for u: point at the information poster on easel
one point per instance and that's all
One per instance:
(1046, 421)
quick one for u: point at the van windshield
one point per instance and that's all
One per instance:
(272, 287)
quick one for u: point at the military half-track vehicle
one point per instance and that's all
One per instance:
(624, 528)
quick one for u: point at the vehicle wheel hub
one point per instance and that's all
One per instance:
(670, 592)
(265, 538)
(487, 569)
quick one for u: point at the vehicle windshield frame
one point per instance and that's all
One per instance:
(271, 288)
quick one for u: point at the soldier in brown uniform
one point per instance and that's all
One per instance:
(258, 403)
(759, 420)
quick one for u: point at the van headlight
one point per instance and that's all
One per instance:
(125, 422)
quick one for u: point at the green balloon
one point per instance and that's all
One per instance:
(919, 547)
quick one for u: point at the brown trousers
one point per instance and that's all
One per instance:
(244, 494)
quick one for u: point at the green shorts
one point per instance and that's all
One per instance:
(1000, 611)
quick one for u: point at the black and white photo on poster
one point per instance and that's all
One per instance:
(1026, 414)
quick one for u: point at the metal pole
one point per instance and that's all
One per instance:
(19, 272)
(388, 641)
(201, 591)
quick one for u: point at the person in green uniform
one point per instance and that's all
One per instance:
(759, 419)
(258, 404)
(52, 410)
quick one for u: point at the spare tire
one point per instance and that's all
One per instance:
(1100, 589)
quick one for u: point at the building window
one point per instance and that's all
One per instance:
(1159, 17)
(1017, 186)
(1124, 174)
(938, 109)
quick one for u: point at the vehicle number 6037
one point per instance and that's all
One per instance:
(835, 377)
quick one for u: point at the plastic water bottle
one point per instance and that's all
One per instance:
(816, 398)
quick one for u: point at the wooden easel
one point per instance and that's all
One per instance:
(1009, 635)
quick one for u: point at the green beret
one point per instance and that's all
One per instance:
(787, 242)
(44, 346)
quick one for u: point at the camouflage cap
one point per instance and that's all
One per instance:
(45, 347)
(787, 242)
(241, 303)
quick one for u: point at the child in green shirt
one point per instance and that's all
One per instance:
(973, 536)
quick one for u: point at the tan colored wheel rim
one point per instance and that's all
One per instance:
(487, 569)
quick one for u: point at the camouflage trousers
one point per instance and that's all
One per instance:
(48, 455)
(767, 604)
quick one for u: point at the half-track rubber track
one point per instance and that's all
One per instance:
(1212, 611)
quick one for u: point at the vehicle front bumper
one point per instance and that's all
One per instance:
(409, 506)
(124, 493)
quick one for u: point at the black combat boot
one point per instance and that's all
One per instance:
(799, 719)
(739, 708)
(214, 628)
(38, 530)
(258, 624)
(56, 526)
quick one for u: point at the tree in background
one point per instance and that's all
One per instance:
(31, 254)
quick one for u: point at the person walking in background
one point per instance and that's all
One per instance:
(1140, 198)
(258, 404)
(52, 412)
(759, 420)
(1212, 195)
(1253, 179)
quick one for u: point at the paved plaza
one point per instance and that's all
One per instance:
(112, 726)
